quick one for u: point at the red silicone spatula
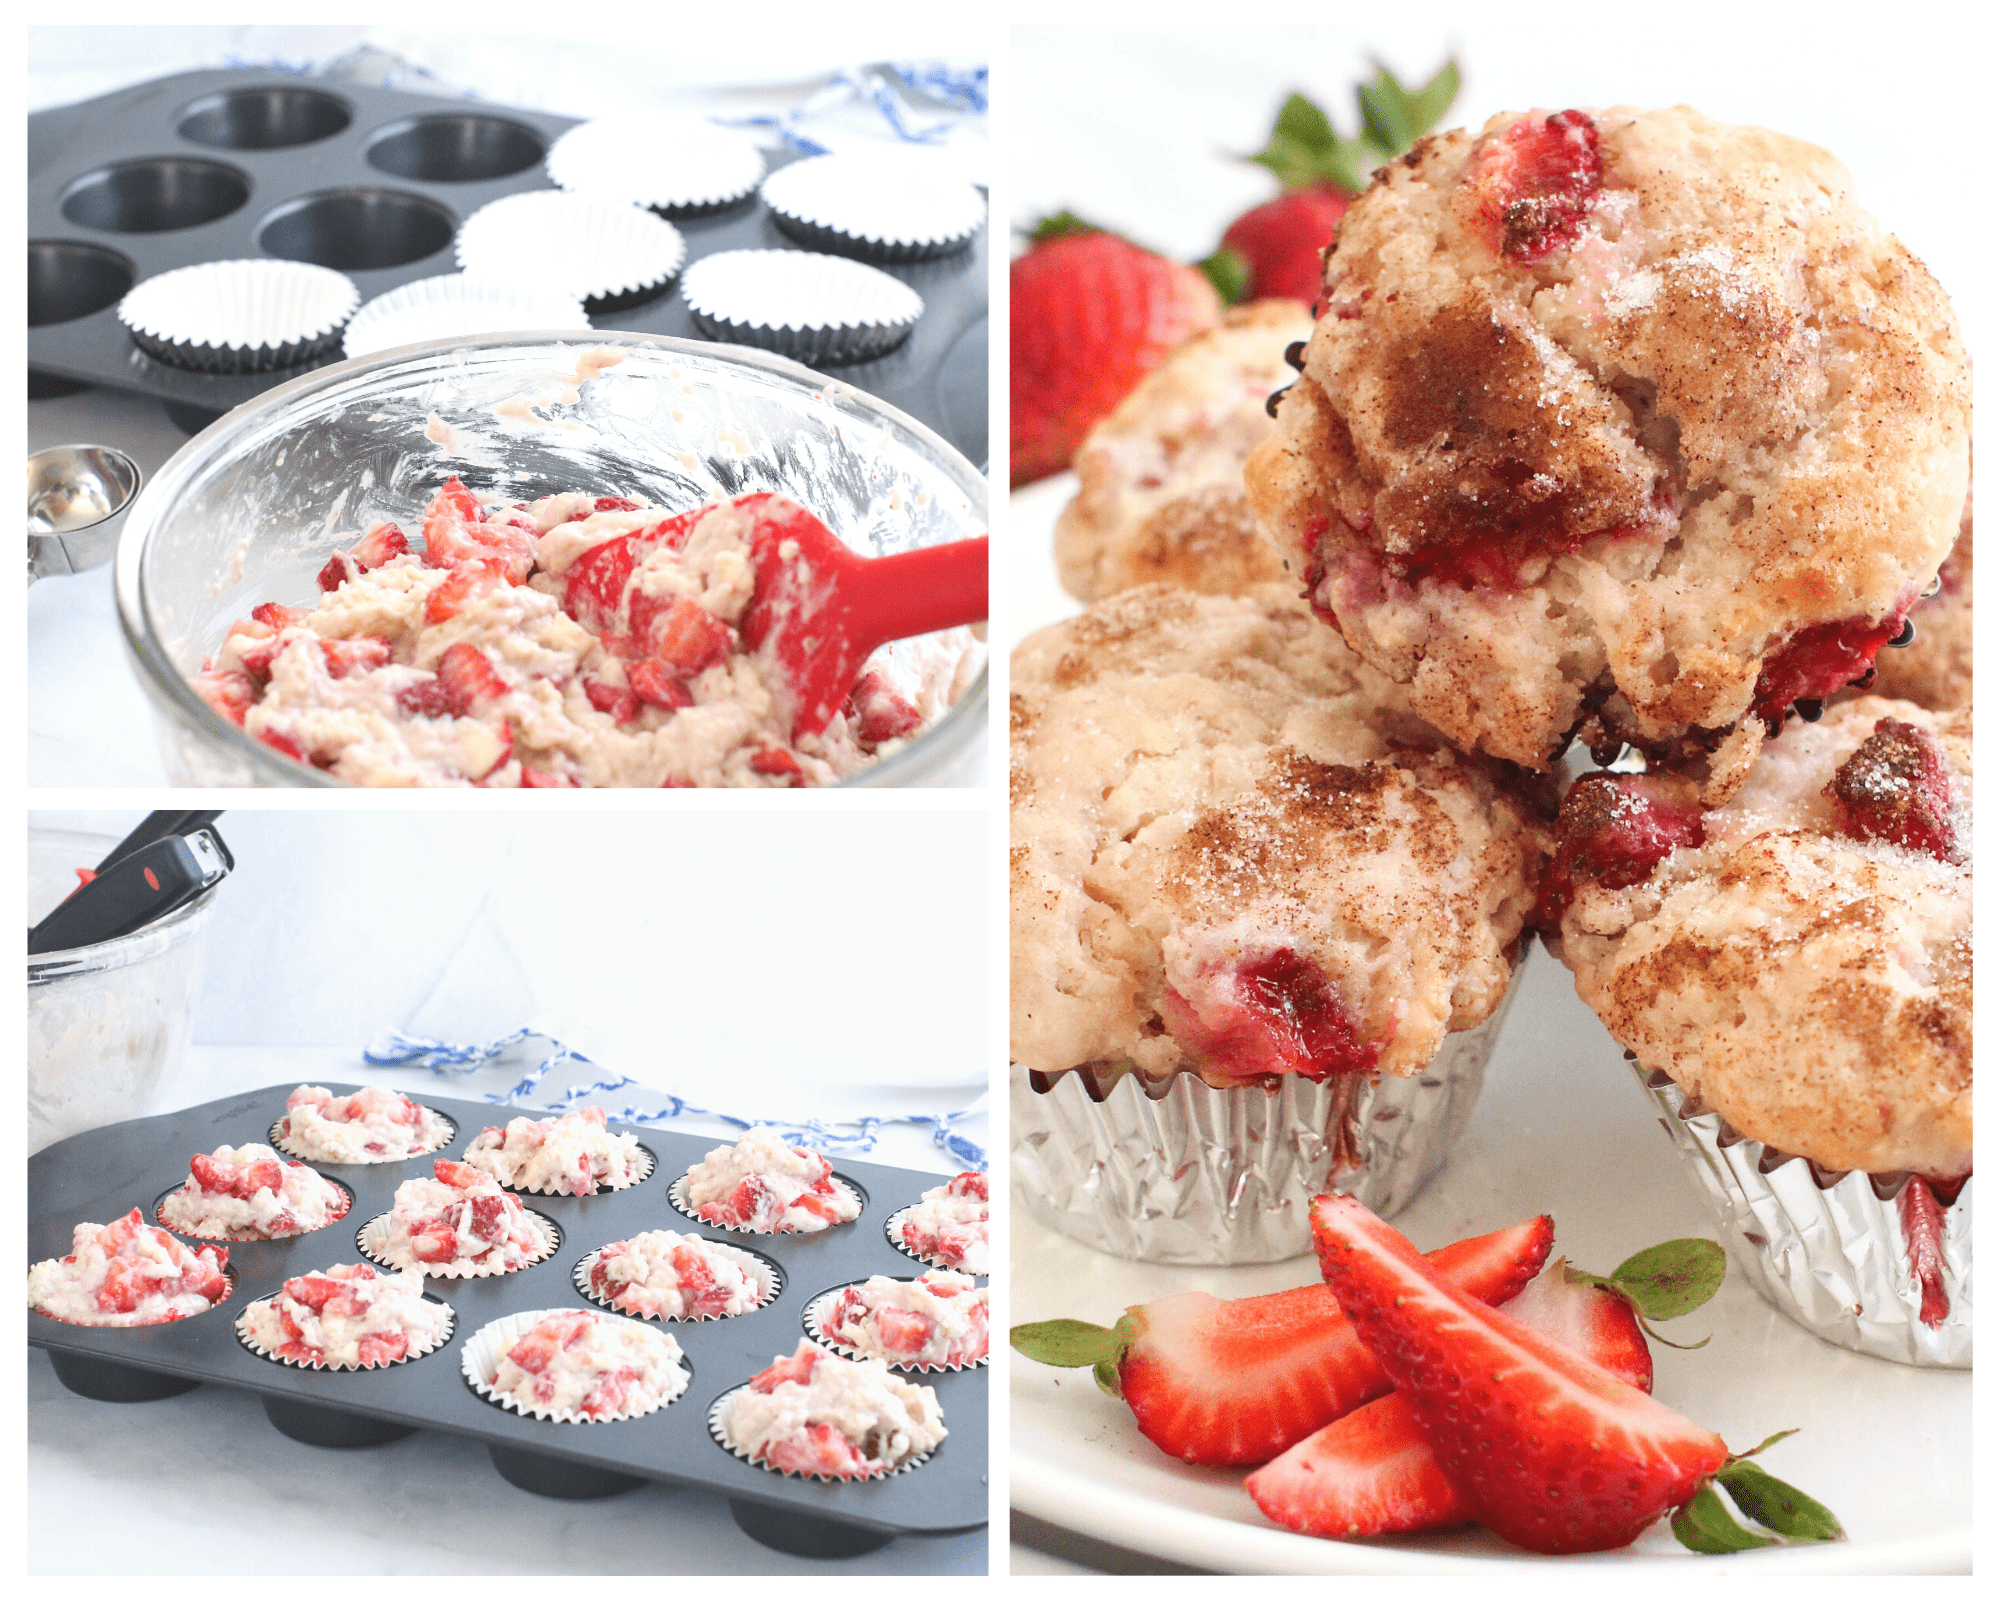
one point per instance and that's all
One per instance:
(823, 610)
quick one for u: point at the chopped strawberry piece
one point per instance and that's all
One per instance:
(471, 677)
(796, 1368)
(273, 615)
(879, 711)
(1535, 183)
(489, 1216)
(821, 1200)
(283, 743)
(457, 1174)
(313, 1291)
(1591, 1462)
(1273, 1013)
(1895, 789)
(594, 589)
(1370, 1472)
(345, 657)
(967, 1185)
(612, 502)
(903, 1333)
(1815, 661)
(378, 1349)
(743, 1203)
(621, 704)
(535, 778)
(776, 763)
(231, 694)
(820, 1449)
(1923, 1237)
(457, 531)
(434, 1240)
(383, 542)
(429, 697)
(685, 636)
(652, 683)
(464, 585)
(1614, 830)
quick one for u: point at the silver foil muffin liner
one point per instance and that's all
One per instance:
(1223, 1177)
(1826, 1249)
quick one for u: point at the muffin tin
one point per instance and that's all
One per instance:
(100, 1175)
(227, 164)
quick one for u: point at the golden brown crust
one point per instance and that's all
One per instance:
(1161, 493)
(1733, 408)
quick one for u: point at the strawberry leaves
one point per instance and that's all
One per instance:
(1066, 1342)
(1663, 1282)
(1705, 1526)
(1305, 150)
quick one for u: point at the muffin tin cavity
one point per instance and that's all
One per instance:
(90, 1178)
(462, 148)
(157, 196)
(67, 280)
(273, 118)
(357, 230)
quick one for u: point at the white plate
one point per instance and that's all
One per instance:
(1562, 1128)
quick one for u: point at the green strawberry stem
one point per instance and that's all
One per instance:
(1305, 150)
(1666, 1281)
(1705, 1526)
(1230, 274)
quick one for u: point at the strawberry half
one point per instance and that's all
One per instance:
(1552, 1453)
(1089, 315)
(1236, 1382)
(1373, 1471)
(1535, 182)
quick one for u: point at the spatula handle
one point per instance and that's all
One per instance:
(919, 591)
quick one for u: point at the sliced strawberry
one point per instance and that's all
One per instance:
(1615, 828)
(1370, 1472)
(1595, 1323)
(1272, 1013)
(1236, 1382)
(1815, 661)
(1535, 182)
(656, 686)
(464, 585)
(346, 657)
(383, 542)
(466, 671)
(1896, 789)
(1553, 1454)
(879, 711)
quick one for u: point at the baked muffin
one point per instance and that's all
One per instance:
(1623, 424)
(1246, 883)
(1161, 496)
(1936, 670)
(1793, 971)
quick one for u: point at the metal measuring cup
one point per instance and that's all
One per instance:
(78, 495)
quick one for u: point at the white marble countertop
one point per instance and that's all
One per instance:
(183, 1485)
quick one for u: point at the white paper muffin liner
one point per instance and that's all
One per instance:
(374, 1236)
(893, 1231)
(159, 1205)
(606, 253)
(1823, 1248)
(645, 1163)
(453, 306)
(887, 205)
(485, 1349)
(818, 309)
(669, 161)
(820, 1307)
(762, 1273)
(677, 1198)
(439, 1131)
(1221, 1177)
(239, 316)
(721, 1437)
(249, 1342)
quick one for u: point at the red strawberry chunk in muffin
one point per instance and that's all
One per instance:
(1535, 184)
(1895, 789)
(1815, 661)
(1273, 1013)
(1615, 828)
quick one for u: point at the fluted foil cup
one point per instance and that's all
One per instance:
(1831, 1258)
(1224, 1177)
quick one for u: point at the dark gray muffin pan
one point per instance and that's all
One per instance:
(101, 1175)
(239, 163)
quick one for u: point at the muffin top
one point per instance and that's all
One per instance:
(1627, 423)
(1801, 958)
(1236, 851)
(1162, 477)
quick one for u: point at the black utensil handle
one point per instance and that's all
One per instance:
(147, 884)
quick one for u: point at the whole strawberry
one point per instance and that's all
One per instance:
(1276, 248)
(1090, 314)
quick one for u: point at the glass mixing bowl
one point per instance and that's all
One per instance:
(249, 510)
